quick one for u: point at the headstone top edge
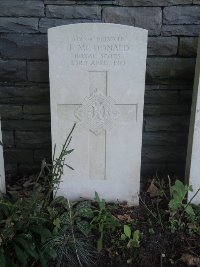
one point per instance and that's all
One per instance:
(122, 26)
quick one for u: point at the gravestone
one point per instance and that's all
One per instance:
(193, 154)
(97, 79)
(2, 171)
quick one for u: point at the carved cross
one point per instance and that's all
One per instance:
(98, 114)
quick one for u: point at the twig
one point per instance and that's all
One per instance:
(148, 209)
(189, 202)
(193, 196)
(170, 185)
(159, 216)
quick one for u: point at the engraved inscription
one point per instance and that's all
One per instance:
(98, 50)
(97, 112)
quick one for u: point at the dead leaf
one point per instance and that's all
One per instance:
(192, 226)
(153, 190)
(190, 260)
(28, 183)
(124, 218)
(129, 261)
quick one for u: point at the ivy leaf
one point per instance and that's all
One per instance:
(84, 227)
(127, 231)
(136, 236)
(56, 222)
(189, 210)
(123, 237)
(173, 204)
(84, 210)
(65, 218)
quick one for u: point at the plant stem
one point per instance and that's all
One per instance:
(189, 202)
(148, 209)
(73, 236)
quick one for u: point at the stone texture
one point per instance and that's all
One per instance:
(167, 97)
(166, 109)
(36, 112)
(152, 2)
(2, 169)
(20, 25)
(37, 117)
(181, 15)
(165, 123)
(162, 46)
(73, 12)
(8, 138)
(12, 70)
(11, 171)
(193, 153)
(36, 109)
(186, 96)
(23, 46)
(170, 70)
(14, 155)
(27, 169)
(22, 8)
(161, 97)
(72, 2)
(40, 154)
(134, 17)
(10, 112)
(60, 2)
(166, 154)
(38, 71)
(23, 94)
(169, 87)
(25, 125)
(31, 139)
(180, 30)
(188, 46)
(160, 169)
(46, 23)
(110, 166)
(21, 39)
(164, 139)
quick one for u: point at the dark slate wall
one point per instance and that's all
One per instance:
(24, 90)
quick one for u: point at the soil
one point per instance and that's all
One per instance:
(158, 247)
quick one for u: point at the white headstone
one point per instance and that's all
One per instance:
(2, 171)
(97, 79)
(193, 154)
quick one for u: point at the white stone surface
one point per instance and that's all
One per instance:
(2, 171)
(193, 154)
(97, 79)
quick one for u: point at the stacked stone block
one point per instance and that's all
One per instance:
(173, 26)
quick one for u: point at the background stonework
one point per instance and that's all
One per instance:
(24, 89)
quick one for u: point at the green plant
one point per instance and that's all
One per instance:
(178, 194)
(182, 214)
(34, 226)
(50, 175)
(103, 221)
(24, 229)
(70, 240)
(132, 238)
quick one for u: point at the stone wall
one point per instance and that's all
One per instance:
(24, 90)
